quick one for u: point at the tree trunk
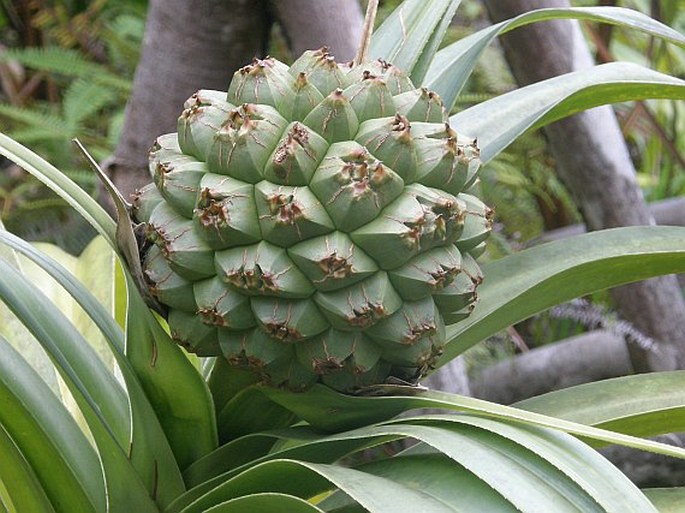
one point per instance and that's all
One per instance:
(581, 359)
(188, 45)
(593, 161)
(452, 377)
(668, 212)
(311, 24)
(646, 469)
(198, 44)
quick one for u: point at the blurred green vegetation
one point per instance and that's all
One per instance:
(66, 69)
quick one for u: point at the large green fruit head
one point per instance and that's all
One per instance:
(312, 224)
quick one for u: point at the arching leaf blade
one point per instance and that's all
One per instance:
(229, 456)
(420, 68)
(63, 186)
(640, 405)
(99, 396)
(306, 480)
(667, 500)
(151, 454)
(452, 66)
(531, 450)
(525, 283)
(438, 476)
(523, 478)
(241, 454)
(259, 413)
(498, 122)
(35, 424)
(185, 413)
(87, 281)
(608, 487)
(331, 411)
(265, 503)
(18, 482)
(88, 379)
(413, 30)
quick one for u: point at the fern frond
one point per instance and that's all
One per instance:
(36, 117)
(84, 178)
(123, 37)
(65, 62)
(473, 98)
(509, 175)
(84, 98)
(42, 203)
(36, 135)
(596, 316)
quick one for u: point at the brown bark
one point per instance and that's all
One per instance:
(198, 44)
(188, 45)
(594, 163)
(311, 24)
(668, 212)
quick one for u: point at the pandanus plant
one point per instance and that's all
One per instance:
(263, 313)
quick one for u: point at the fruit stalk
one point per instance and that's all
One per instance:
(369, 20)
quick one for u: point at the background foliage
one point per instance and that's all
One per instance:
(66, 70)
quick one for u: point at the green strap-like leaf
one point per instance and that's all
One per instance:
(420, 68)
(99, 396)
(96, 311)
(524, 479)
(667, 500)
(452, 65)
(241, 409)
(409, 37)
(59, 464)
(525, 283)
(640, 405)
(61, 185)
(151, 454)
(229, 456)
(241, 454)
(84, 373)
(175, 388)
(306, 480)
(18, 482)
(498, 122)
(608, 487)
(332, 411)
(266, 503)
(498, 465)
(226, 381)
(438, 476)
(250, 412)
(186, 415)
